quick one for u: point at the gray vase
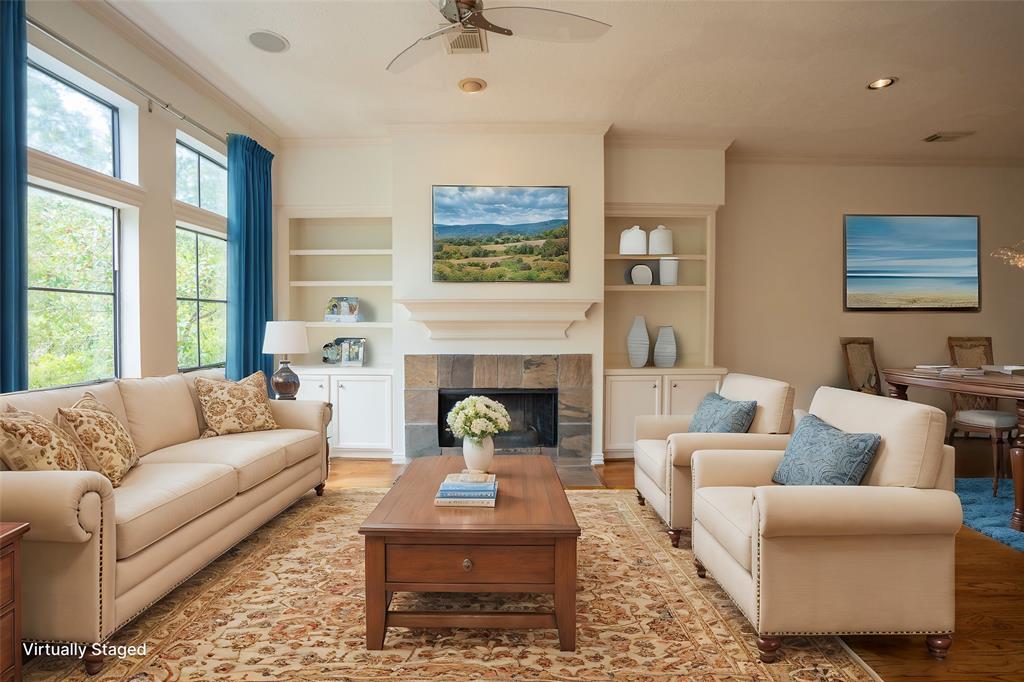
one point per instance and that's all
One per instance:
(638, 343)
(665, 348)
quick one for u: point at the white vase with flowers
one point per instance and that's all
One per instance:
(476, 420)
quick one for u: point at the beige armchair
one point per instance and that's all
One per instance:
(662, 447)
(876, 558)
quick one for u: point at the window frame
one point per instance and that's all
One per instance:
(200, 155)
(115, 263)
(199, 299)
(115, 124)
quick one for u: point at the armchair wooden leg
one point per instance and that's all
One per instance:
(673, 535)
(93, 661)
(640, 499)
(701, 571)
(938, 645)
(319, 489)
(769, 648)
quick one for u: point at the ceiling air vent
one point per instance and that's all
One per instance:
(467, 40)
(948, 135)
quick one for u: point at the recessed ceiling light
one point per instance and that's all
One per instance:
(882, 83)
(268, 41)
(472, 85)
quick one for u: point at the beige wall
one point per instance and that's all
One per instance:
(780, 271)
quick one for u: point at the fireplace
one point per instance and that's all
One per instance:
(533, 415)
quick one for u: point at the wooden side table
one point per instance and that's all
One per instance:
(10, 600)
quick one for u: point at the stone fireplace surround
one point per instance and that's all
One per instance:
(571, 374)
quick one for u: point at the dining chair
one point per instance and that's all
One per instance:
(979, 414)
(861, 368)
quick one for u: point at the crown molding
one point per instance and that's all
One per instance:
(641, 141)
(848, 160)
(334, 142)
(498, 128)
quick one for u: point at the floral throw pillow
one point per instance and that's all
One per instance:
(28, 442)
(103, 441)
(235, 407)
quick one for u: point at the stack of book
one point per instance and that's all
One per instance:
(467, 490)
(962, 372)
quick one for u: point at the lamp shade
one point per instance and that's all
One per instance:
(285, 337)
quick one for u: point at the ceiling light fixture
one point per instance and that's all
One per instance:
(882, 83)
(268, 41)
(472, 85)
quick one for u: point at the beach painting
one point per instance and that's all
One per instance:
(500, 234)
(911, 262)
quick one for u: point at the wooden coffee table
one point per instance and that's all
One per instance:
(526, 543)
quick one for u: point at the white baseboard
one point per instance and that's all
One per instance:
(360, 454)
(618, 454)
(596, 459)
(398, 458)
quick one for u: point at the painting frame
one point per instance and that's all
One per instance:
(568, 238)
(917, 308)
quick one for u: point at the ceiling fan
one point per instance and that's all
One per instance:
(533, 23)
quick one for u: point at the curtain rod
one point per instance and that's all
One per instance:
(163, 104)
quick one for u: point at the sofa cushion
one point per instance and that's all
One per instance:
(102, 440)
(726, 513)
(716, 414)
(298, 444)
(820, 454)
(45, 403)
(156, 499)
(216, 374)
(235, 406)
(255, 459)
(29, 442)
(774, 400)
(160, 412)
(650, 456)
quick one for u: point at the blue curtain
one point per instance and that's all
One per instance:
(250, 257)
(13, 199)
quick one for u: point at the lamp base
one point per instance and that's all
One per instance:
(285, 382)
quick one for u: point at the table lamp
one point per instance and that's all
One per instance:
(283, 338)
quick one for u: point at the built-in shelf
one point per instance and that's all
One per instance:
(652, 288)
(680, 256)
(352, 325)
(341, 283)
(341, 252)
(326, 368)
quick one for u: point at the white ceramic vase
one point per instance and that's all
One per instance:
(665, 348)
(668, 271)
(478, 454)
(638, 343)
(660, 241)
(633, 242)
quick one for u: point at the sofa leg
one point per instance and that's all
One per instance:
(319, 489)
(938, 645)
(673, 535)
(769, 648)
(701, 571)
(93, 661)
(640, 499)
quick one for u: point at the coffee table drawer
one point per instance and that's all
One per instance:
(470, 564)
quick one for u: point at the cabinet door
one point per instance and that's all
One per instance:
(685, 391)
(314, 387)
(625, 399)
(362, 412)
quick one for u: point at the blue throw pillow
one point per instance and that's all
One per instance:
(716, 414)
(820, 454)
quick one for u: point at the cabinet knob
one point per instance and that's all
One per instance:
(319, 385)
(341, 385)
(654, 385)
(467, 565)
(674, 385)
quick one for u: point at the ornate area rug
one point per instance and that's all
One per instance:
(287, 604)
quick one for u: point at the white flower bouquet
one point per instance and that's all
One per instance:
(477, 417)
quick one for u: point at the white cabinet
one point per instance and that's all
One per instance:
(314, 387)
(362, 412)
(625, 399)
(684, 392)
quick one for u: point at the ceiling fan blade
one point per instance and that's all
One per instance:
(414, 54)
(539, 23)
(478, 20)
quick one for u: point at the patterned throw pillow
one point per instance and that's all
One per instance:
(716, 414)
(820, 454)
(30, 443)
(103, 441)
(235, 407)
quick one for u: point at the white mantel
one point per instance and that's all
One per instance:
(476, 318)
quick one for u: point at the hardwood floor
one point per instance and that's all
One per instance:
(989, 639)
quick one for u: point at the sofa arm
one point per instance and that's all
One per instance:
(55, 503)
(828, 510)
(660, 427)
(312, 415)
(681, 446)
(717, 468)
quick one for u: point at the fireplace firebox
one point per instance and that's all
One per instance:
(533, 416)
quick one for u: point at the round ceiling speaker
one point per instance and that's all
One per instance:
(268, 41)
(472, 85)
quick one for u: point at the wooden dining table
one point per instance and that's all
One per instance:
(991, 385)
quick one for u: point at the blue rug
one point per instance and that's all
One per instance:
(987, 514)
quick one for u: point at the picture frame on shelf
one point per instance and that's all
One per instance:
(346, 352)
(342, 309)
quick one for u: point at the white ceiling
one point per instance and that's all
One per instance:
(779, 78)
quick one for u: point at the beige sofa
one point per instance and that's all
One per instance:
(98, 556)
(663, 448)
(875, 558)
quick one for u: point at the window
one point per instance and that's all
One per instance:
(202, 281)
(73, 290)
(201, 180)
(66, 121)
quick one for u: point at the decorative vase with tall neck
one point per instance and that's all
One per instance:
(638, 343)
(478, 453)
(665, 348)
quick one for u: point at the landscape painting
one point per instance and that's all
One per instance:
(911, 263)
(501, 234)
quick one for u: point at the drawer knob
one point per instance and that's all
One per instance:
(467, 564)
